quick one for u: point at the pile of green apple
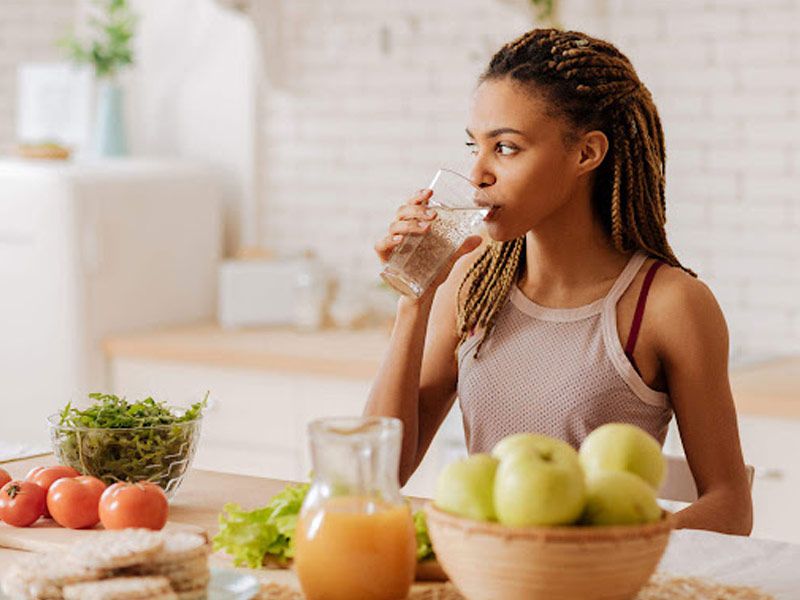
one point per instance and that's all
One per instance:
(536, 480)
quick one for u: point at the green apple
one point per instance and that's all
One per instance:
(619, 498)
(539, 487)
(623, 447)
(533, 442)
(465, 487)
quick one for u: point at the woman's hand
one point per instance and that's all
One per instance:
(414, 218)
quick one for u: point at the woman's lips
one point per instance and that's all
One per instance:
(492, 214)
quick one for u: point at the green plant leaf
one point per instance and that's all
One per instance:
(110, 47)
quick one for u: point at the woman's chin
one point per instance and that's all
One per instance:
(498, 233)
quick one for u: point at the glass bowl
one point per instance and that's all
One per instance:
(160, 453)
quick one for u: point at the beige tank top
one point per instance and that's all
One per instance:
(557, 371)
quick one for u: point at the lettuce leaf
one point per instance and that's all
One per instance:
(266, 534)
(252, 536)
(424, 547)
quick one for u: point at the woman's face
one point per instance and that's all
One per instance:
(521, 159)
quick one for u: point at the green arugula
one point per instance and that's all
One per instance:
(117, 440)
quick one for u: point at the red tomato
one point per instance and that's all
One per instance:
(21, 503)
(4, 477)
(46, 476)
(142, 504)
(72, 501)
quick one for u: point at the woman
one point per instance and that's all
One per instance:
(544, 329)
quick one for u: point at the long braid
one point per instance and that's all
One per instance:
(593, 85)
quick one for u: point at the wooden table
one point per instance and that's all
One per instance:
(769, 565)
(198, 502)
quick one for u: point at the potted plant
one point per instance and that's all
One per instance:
(108, 51)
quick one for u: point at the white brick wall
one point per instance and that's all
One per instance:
(741, 175)
(28, 32)
(377, 96)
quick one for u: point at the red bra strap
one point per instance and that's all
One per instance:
(637, 316)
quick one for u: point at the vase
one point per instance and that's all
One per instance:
(110, 137)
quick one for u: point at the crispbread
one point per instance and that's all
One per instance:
(183, 560)
(188, 580)
(199, 580)
(41, 576)
(121, 588)
(196, 594)
(116, 549)
(178, 558)
(181, 546)
(169, 569)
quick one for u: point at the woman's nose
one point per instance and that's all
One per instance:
(480, 175)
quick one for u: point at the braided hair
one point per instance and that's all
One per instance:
(594, 87)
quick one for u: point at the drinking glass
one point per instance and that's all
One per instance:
(417, 260)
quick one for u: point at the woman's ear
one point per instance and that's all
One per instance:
(592, 147)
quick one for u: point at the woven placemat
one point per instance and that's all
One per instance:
(664, 587)
(276, 591)
(660, 587)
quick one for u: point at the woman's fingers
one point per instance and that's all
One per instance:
(397, 232)
(416, 212)
(386, 246)
(408, 227)
(421, 197)
(413, 218)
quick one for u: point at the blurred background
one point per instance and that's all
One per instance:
(194, 210)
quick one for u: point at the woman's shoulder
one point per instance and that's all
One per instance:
(683, 308)
(674, 290)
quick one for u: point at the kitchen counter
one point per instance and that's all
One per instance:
(768, 389)
(349, 354)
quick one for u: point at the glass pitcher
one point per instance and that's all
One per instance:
(355, 535)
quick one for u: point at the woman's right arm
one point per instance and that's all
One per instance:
(396, 389)
(417, 380)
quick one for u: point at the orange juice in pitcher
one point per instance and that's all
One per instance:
(355, 548)
(355, 535)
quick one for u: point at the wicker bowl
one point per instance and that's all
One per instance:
(489, 561)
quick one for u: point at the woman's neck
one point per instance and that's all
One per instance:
(569, 258)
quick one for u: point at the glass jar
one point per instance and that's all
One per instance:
(310, 293)
(355, 534)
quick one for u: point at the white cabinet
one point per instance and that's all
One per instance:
(88, 250)
(772, 446)
(256, 423)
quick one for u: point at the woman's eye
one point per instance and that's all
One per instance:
(472, 147)
(506, 149)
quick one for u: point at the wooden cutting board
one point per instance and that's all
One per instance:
(46, 536)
